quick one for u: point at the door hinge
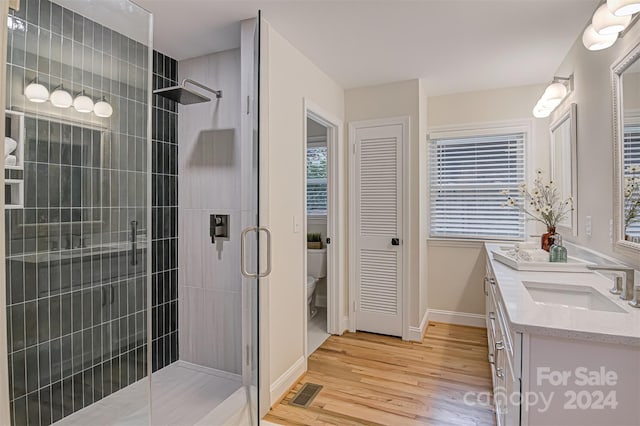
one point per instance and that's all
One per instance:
(354, 306)
(248, 104)
(354, 148)
(328, 240)
(248, 355)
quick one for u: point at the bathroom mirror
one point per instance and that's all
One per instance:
(564, 172)
(63, 171)
(626, 119)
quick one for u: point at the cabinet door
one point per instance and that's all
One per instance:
(490, 320)
(500, 394)
(511, 388)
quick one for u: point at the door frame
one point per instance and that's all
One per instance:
(405, 237)
(4, 359)
(335, 217)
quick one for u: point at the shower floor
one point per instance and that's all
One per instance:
(183, 394)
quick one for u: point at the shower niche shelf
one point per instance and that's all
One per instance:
(14, 172)
(14, 128)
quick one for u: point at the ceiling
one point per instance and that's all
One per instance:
(454, 45)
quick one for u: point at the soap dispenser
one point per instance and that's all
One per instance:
(557, 252)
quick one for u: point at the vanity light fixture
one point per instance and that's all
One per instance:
(594, 41)
(83, 103)
(61, 98)
(102, 108)
(36, 92)
(623, 7)
(553, 96)
(606, 23)
(539, 111)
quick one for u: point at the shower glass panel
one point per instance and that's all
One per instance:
(76, 209)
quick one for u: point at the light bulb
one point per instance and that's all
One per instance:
(555, 92)
(36, 92)
(605, 22)
(61, 98)
(594, 41)
(540, 111)
(83, 103)
(623, 7)
(102, 108)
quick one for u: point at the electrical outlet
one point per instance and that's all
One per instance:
(587, 226)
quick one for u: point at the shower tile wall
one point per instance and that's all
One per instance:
(211, 182)
(164, 281)
(76, 295)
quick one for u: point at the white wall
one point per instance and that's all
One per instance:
(456, 268)
(592, 94)
(394, 100)
(210, 159)
(288, 78)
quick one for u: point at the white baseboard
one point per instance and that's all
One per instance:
(416, 333)
(345, 324)
(457, 318)
(287, 379)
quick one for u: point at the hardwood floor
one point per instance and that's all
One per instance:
(371, 379)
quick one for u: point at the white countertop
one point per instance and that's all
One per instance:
(110, 248)
(527, 316)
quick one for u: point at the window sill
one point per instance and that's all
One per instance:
(465, 243)
(316, 219)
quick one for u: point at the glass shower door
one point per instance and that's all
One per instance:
(76, 211)
(262, 264)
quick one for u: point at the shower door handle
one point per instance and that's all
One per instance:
(134, 242)
(243, 252)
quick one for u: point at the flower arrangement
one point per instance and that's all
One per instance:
(541, 203)
(631, 195)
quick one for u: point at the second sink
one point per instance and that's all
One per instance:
(570, 296)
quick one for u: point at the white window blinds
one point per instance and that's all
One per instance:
(632, 158)
(317, 180)
(467, 177)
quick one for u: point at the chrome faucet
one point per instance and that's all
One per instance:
(628, 288)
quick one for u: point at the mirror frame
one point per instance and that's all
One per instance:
(570, 115)
(617, 69)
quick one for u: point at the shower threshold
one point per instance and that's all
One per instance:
(183, 394)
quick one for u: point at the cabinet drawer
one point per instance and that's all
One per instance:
(499, 327)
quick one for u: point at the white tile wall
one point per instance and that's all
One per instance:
(211, 161)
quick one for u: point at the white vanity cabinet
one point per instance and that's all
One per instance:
(545, 369)
(504, 355)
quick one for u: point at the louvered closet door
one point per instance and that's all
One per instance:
(379, 237)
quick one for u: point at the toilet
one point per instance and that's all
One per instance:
(316, 269)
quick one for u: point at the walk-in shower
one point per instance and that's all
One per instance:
(185, 96)
(120, 308)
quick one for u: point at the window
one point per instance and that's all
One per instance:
(317, 180)
(631, 157)
(467, 177)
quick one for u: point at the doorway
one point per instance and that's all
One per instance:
(323, 265)
(317, 154)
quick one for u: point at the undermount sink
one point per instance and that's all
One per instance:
(570, 296)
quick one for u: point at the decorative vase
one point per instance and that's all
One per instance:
(547, 238)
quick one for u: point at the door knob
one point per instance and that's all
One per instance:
(395, 241)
